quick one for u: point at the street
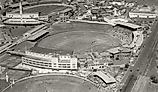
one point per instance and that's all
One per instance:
(143, 60)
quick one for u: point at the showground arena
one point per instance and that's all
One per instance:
(52, 83)
(80, 41)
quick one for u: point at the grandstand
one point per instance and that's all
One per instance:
(125, 35)
(34, 30)
(106, 77)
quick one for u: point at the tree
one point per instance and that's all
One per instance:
(154, 79)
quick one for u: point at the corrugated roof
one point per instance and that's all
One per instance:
(134, 26)
(114, 50)
(66, 10)
(34, 37)
(106, 77)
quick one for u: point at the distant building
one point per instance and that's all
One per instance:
(117, 2)
(49, 60)
(23, 18)
(63, 18)
(143, 12)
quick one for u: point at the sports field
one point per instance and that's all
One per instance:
(45, 10)
(53, 83)
(79, 41)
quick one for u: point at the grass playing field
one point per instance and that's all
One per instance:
(79, 41)
(53, 83)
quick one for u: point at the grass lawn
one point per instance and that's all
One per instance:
(53, 83)
(3, 84)
(16, 31)
(79, 41)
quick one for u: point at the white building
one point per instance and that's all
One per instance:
(143, 12)
(49, 61)
(23, 18)
(119, 2)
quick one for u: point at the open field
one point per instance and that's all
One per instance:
(16, 31)
(3, 84)
(53, 83)
(45, 10)
(150, 87)
(78, 26)
(79, 41)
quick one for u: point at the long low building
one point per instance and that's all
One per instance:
(39, 34)
(130, 25)
(143, 12)
(107, 78)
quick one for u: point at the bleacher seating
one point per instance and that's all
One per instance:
(122, 33)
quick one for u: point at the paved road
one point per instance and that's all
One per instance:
(144, 59)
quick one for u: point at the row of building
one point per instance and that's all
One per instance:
(66, 60)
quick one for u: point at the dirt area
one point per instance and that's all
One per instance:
(79, 41)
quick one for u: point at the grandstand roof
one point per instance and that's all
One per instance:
(66, 10)
(34, 37)
(134, 26)
(41, 50)
(114, 50)
(105, 76)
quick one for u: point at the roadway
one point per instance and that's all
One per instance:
(142, 62)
